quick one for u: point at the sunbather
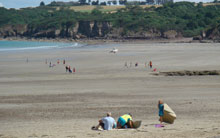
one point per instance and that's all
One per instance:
(125, 121)
(106, 123)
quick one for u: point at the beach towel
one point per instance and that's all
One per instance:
(159, 125)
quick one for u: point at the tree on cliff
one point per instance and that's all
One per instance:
(183, 17)
(82, 2)
(42, 3)
(95, 2)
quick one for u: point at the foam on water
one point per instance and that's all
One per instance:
(32, 45)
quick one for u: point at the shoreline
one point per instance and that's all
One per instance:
(110, 41)
(50, 102)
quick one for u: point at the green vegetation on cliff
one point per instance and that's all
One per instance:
(185, 18)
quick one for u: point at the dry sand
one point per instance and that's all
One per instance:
(41, 102)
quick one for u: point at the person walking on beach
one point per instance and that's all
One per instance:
(150, 64)
(70, 71)
(130, 64)
(106, 123)
(67, 68)
(126, 64)
(161, 110)
(125, 121)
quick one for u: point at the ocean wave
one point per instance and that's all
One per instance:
(57, 46)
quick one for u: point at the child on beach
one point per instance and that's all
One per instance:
(67, 68)
(126, 64)
(161, 110)
(150, 64)
(130, 64)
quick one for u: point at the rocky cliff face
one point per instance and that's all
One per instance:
(214, 33)
(84, 29)
(13, 30)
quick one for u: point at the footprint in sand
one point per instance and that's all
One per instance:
(216, 136)
(142, 131)
(71, 136)
(3, 136)
(91, 135)
(200, 128)
(33, 136)
(171, 129)
(44, 136)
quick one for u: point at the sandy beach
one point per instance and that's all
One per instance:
(41, 102)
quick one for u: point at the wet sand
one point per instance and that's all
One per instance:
(39, 102)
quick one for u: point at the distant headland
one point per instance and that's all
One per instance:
(131, 22)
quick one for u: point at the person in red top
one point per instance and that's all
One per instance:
(150, 64)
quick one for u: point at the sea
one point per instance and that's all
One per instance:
(35, 45)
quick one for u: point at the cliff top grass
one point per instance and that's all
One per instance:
(113, 8)
(89, 8)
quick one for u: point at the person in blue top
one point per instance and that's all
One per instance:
(106, 123)
(161, 110)
(125, 121)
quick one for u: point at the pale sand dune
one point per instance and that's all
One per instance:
(41, 102)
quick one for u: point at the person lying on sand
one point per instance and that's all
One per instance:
(106, 123)
(125, 121)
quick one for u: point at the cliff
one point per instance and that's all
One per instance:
(214, 33)
(84, 30)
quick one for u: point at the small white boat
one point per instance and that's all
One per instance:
(114, 50)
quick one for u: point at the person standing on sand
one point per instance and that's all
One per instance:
(64, 62)
(161, 110)
(67, 68)
(126, 64)
(70, 71)
(150, 64)
(125, 121)
(106, 123)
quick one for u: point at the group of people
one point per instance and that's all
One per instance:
(124, 121)
(52, 65)
(68, 69)
(108, 122)
(150, 64)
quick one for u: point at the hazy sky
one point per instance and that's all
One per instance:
(34, 3)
